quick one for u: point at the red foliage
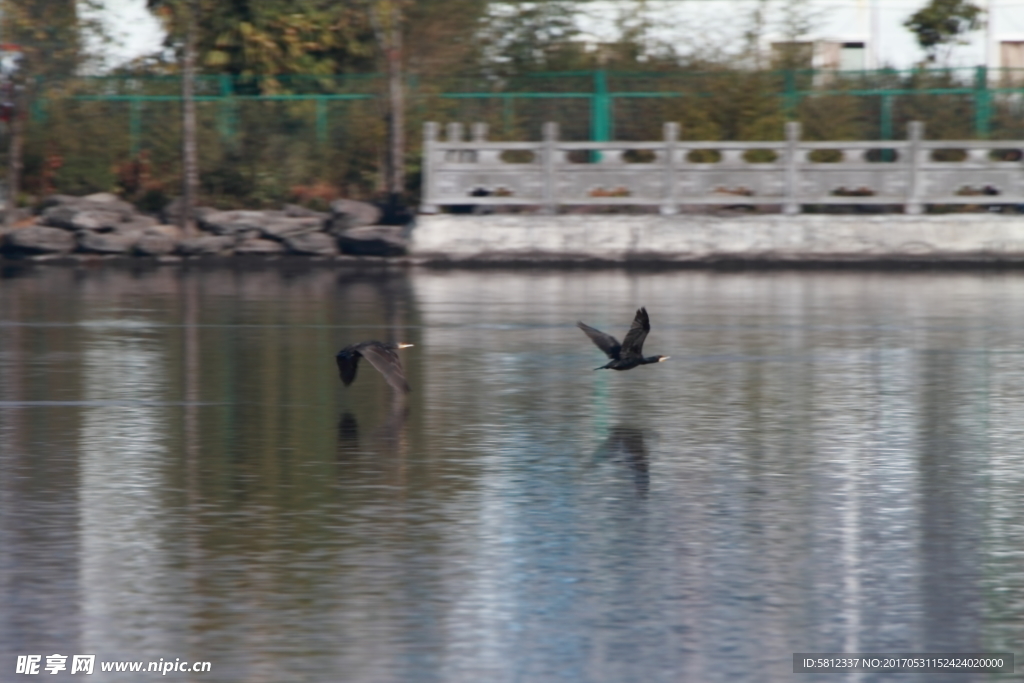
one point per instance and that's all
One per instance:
(319, 192)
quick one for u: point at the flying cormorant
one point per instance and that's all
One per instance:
(629, 353)
(381, 356)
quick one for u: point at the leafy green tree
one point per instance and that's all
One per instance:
(524, 37)
(259, 37)
(50, 34)
(943, 24)
(275, 37)
(443, 38)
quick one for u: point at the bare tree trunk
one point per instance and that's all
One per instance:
(396, 118)
(387, 23)
(189, 156)
(16, 128)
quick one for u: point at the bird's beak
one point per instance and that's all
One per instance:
(402, 345)
(663, 359)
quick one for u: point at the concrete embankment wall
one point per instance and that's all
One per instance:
(688, 239)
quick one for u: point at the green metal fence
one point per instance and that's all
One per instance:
(264, 135)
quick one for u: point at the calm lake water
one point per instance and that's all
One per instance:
(830, 462)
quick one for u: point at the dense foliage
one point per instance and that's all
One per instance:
(943, 23)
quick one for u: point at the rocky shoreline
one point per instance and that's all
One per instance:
(104, 226)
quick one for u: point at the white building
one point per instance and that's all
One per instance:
(844, 34)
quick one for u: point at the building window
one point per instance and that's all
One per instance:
(852, 57)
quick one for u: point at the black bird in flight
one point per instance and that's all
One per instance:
(381, 356)
(629, 353)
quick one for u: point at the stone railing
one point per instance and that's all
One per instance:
(671, 173)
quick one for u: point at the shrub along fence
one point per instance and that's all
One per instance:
(309, 138)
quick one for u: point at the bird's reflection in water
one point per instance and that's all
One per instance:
(625, 447)
(387, 437)
(348, 432)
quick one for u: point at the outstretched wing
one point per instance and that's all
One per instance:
(633, 345)
(348, 363)
(386, 361)
(606, 342)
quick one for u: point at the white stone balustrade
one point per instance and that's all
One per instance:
(671, 173)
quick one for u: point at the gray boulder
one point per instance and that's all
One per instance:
(111, 202)
(312, 244)
(171, 214)
(348, 213)
(279, 228)
(206, 245)
(258, 246)
(57, 199)
(296, 211)
(39, 239)
(137, 223)
(155, 244)
(242, 223)
(374, 240)
(93, 242)
(92, 219)
(67, 216)
(96, 212)
(172, 231)
(159, 240)
(103, 197)
(19, 215)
